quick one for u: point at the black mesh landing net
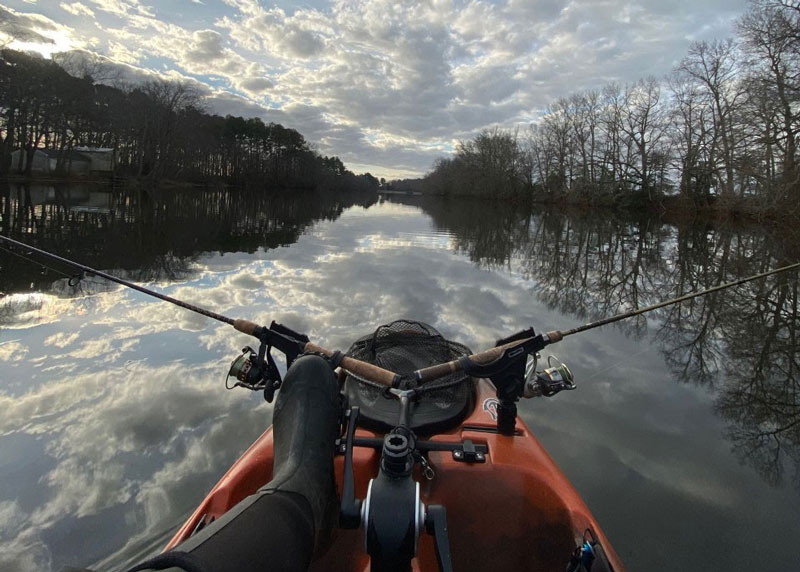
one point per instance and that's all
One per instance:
(403, 347)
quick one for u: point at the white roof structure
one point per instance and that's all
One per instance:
(94, 149)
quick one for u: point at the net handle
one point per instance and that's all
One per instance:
(360, 368)
(379, 375)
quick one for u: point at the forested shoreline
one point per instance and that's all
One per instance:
(719, 132)
(158, 131)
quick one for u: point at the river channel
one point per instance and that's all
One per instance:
(683, 436)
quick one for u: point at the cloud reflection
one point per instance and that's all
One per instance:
(128, 404)
(141, 426)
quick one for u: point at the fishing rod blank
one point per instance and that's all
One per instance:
(358, 367)
(88, 270)
(632, 313)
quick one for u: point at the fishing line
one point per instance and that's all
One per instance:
(624, 361)
(42, 264)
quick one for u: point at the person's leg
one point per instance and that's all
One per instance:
(305, 425)
(291, 518)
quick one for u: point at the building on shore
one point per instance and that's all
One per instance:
(78, 161)
(103, 159)
(19, 159)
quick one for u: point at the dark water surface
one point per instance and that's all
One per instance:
(683, 436)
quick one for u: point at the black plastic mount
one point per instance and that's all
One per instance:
(421, 446)
(397, 459)
(436, 524)
(507, 373)
(521, 335)
(284, 339)
(393, 520)
(392, 525)
(469, 453)
(350, 509)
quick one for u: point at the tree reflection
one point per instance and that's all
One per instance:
(761, 396)
(741, 343)
(699, 258)
(148, 235)
(489, 235)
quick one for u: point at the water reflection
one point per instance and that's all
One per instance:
(740, 345)
(743, 342)
(151, 234)
(761, 394)
(115, 423)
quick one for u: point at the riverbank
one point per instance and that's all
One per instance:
(345, 184)
(670, 208)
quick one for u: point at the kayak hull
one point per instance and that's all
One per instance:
(515, 511)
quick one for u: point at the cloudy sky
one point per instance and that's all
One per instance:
(386, 85)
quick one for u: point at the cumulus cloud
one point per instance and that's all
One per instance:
(393, 84)
(123, 8)
(12, 351)
(206, 46)
(77, 9)
(25, 27)
(272, 31)
(61, 339)
(255, 85)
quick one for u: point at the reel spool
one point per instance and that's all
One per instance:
(255, 372)
(556, 377)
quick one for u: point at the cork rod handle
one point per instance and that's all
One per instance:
(358, 367)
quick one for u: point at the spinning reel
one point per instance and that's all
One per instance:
(258, 371)
(556, 377)
(514, 375)
(252, 371)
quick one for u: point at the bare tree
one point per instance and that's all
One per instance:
(715, 67)
(644, 124)
(691, 133)
(770, 32)
(83, 65)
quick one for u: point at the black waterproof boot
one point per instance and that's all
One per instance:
(305, 426)
(292, 518)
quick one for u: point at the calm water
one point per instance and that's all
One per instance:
(683, 436)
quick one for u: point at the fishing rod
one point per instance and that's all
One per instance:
(88, 270)
(289, 342)
(294, 344)
(632, 313)
(507, 349)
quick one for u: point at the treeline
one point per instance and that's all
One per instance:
(723, 126)
(158, 130)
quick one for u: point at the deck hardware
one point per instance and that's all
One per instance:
(468, 453)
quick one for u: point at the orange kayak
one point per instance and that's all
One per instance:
(514, 510)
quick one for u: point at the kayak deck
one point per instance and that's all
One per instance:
(515, 511)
